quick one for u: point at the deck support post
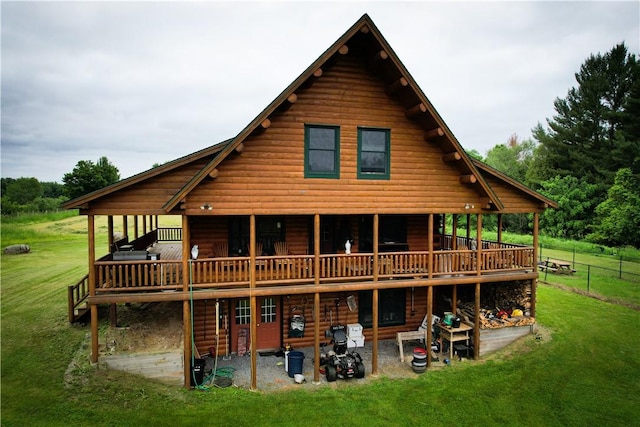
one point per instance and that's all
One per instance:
(374, 352)
(316, 298)
(430, 244)
(110, 233)
(499, 228)
(534, 282)
(316, 334)
(92, 287)
(254, 311)
(135, 226)
(112, 308)
(374, 301)
(476, 324)
(479, 243)
(187, 327)
(429, 323)
(454, 233)
(125, 226)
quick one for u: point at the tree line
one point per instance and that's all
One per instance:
(24, 195)
(586, 158)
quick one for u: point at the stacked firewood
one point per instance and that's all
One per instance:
(517, 295)
(494, 318)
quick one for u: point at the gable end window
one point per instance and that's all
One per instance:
(321, 151)
(374, 153)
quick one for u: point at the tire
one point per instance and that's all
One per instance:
(360, 370)
(331, 373)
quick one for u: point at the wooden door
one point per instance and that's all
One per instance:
(269, 323)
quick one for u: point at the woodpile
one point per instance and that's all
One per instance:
(489, 318)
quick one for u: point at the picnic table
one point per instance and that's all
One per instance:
(556, 266)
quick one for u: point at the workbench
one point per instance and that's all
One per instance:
(454, 335)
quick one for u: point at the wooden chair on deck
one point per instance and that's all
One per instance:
(281, 248)
(220, 249)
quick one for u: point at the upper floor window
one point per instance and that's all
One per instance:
(373, 153)
(321, 151)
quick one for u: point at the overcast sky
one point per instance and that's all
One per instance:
(144, 83)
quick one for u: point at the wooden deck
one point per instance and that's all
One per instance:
(167, 250)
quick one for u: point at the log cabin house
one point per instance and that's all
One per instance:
(351, 151)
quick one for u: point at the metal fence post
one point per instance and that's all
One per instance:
(588, 277)
(620, 274)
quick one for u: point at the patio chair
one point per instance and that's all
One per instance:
(220, 249)
(281, 248)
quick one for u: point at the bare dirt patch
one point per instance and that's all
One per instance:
(147, 327)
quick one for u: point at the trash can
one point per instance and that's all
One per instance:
(197, 372)
(295, 361)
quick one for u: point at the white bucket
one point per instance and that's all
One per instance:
(298, 378)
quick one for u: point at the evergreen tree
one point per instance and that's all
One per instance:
(594, 131)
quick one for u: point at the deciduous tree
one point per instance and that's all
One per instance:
(618, 217)
(88, 176)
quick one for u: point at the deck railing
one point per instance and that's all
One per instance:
(77, 296)
(169, 234)
(138, 275)
(299, 269)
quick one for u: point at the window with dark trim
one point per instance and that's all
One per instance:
(321, 151)
(374, 153)
(391, 307)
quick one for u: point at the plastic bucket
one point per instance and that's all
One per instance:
(295, 360)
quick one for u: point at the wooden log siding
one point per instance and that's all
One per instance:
(268, 177)
(147, 197)
(416, 309)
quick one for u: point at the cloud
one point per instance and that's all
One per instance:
(145, 83)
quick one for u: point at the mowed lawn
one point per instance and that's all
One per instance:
(583, 370)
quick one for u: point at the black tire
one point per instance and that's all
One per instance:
(360, 370)
(331, 373)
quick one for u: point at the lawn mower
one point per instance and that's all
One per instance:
(342, 363)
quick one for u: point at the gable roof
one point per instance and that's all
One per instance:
(485, 169)
(365, 36)
(393, 71)
(213, 150)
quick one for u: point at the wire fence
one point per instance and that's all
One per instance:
(617, 284)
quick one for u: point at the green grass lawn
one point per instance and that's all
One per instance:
(585, 369)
